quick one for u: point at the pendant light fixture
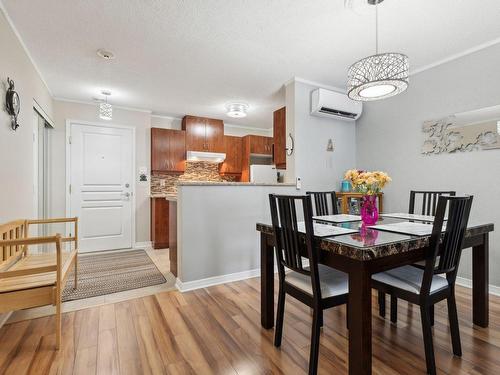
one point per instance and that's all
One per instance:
(378, 76)
(105, 109)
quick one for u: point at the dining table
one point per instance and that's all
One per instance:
(363, 253)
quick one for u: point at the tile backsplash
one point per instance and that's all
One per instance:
(195, 171)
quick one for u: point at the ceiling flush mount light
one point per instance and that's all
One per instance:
(378, 76)
(105, 109)
(237, 110)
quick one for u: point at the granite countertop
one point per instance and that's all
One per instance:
(228, 183)
(168, 197)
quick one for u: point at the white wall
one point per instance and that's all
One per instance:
(141, 121)
(317, 168)
(390, 138)
(16, 148)
(217, 236)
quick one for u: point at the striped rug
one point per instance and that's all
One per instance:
(112, 272)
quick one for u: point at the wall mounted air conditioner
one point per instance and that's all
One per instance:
(333, 104)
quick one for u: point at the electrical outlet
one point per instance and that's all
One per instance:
(162, 183)
(298, 183)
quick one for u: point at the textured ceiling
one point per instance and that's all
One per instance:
(192, 56)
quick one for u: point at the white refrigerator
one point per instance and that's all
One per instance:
(263, 174)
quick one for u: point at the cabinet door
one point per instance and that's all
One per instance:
(177, 151)
(159, 223)
(159, 149)
(279, 135)
(195, 128)
(233, 147)
(260, 145)
(168, 150)
(214, 135)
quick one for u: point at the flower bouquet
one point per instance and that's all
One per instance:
(369, 184)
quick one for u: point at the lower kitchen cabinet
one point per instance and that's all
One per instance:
(160, 223)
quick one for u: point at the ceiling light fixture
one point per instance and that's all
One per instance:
(105, 109)
(378, 76)
(237, 110)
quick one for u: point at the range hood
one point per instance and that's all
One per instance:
(211, 157)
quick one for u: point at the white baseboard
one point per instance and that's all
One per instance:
(462, 281)
(216, 280)
(143, 245)
(4, 317)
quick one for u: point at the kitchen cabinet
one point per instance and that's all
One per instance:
(253, 144)
(279, 136)
(233, 147)
(203, 134)
(160, 223)
(168, 150)
(260, 145)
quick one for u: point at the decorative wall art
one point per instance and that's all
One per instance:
(466, 131)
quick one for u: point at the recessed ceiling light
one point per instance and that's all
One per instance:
(237, 110)
(106, 55)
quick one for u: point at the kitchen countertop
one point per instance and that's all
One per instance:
(168, 197)
(208, 183)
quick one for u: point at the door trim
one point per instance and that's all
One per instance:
(69, 122)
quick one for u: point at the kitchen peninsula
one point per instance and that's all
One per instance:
(215, 231)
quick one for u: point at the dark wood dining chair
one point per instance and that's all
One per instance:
(319, 287)
(426, 287)
(325, 202)
(428, 201)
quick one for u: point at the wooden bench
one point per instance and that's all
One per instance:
(35, 279)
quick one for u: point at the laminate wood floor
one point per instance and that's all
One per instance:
(217, 331)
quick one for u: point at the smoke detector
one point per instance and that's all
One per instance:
(106, 55)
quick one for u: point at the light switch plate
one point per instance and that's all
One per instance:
(298, 183)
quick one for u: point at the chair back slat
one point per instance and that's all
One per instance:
(429, 201)
(325, 202)
(12, 230)
(291, 245)
(456, 226)
(448, 244)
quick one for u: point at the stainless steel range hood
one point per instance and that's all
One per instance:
(211, 157)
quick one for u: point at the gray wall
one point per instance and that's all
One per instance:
(16, 148)
(389, 137)
(317, 168)
(216, 228)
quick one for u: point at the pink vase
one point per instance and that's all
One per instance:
(369, 211)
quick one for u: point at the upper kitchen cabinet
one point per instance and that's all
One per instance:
(279, 134)
(168, 150)
(260, 145)
(233, 147)
(203, 134)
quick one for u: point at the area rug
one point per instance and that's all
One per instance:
(100, 274)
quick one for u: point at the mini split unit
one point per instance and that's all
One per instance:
(328, 103)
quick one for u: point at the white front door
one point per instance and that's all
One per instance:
(101, 185)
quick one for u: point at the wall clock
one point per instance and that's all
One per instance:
(12, 104)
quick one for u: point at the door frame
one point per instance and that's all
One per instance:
(69, 122)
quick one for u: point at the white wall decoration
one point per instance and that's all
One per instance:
(466, 131)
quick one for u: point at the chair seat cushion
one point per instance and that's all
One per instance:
(333, 282)
(409, 278)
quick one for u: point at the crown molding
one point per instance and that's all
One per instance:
(23, 45)
(456, 56)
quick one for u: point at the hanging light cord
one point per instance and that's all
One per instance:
(376, 28)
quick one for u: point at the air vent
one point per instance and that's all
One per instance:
(336, 112)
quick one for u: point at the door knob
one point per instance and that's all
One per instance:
(127, 185)
(127, 194)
